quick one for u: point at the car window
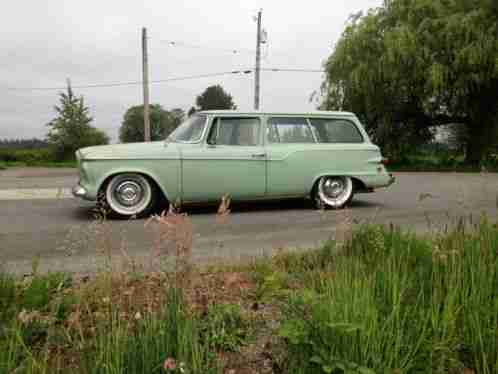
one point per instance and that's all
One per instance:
(289, 130)
(330, 130)
(235, 131)
(190, 130)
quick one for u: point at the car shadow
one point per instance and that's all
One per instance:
(90, 212)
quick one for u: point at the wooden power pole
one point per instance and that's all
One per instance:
(145, 82)
(258, 63)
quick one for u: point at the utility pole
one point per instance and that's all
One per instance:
(258, 63)
(145, 83)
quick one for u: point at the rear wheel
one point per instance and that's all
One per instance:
(130, 195)
(334, 192)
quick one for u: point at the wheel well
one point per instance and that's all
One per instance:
(358, 185)
(152, 181)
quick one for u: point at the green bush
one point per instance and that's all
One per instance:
(27, 156)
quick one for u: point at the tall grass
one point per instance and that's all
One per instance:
(144, 347)
(394, 302)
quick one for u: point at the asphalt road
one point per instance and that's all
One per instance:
(40, 219)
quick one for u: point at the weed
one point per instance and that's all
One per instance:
(7, 297)
(224, 328)
(39, 292)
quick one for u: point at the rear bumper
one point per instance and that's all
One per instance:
(392, 179)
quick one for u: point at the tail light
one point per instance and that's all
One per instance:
(385, 161)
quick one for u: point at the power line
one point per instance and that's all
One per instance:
(174, 79)
(294, 70)
(133, 83)
(175, 43)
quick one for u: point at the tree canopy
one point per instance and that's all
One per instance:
(162, 123)
(214, 97)
(411, 65)
(72, 128)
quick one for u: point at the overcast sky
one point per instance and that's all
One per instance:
(43, 42)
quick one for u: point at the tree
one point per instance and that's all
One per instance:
(414, 64)
(72, 128)
(215, 97)
(162, 123)
(33, 143)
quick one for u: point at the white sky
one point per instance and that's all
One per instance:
(43, 42)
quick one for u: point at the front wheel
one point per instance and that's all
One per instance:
(334, 192)
(130, 195)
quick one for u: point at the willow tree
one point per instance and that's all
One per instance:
(414, 64)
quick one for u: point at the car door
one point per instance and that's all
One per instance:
(291, 158)
(231, 161)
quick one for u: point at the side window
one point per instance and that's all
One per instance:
(235, 131)
(330, 130)
(289, 130)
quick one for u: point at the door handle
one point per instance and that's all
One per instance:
(258, 155)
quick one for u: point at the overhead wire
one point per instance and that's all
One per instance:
(175, 43)
(173, 79)
(131, 83)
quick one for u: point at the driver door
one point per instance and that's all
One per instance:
(232, 161)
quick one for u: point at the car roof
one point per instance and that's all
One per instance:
(260, 112)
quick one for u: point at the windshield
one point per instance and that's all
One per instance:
(189, 131)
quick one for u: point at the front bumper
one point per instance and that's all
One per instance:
(79, 191)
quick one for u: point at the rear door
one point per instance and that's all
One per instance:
(290, 145)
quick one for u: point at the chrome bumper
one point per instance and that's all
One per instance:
(392, 179)
(79, 191)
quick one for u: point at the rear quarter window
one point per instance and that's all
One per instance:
(289, 130)
(335, 130)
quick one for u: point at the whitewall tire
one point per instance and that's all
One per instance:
(334, 191)
(130, 195)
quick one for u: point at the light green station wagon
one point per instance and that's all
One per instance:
(325, 156)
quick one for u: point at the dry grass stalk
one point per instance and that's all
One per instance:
(344, 229)
(173, 239)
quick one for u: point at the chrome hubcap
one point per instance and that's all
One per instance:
(333, 188)
(129, 193)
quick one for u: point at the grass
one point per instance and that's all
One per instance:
(383, 300)
(390, 301)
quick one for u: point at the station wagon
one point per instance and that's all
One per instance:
(325, 156)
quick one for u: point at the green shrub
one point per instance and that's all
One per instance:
(27, 156)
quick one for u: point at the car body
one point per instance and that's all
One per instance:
(246, 155)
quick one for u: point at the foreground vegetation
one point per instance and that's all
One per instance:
(378, 300)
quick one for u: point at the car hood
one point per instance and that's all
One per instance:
(149, 150)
